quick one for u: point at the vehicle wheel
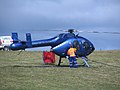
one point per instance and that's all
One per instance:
(6, 48)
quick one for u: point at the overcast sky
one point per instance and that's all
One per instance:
(27, 15)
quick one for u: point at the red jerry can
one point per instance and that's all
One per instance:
(48, 57)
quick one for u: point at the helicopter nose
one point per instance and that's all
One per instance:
(92, 49)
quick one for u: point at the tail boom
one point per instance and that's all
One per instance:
(22, 45)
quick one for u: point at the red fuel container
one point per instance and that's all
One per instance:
(48, 57)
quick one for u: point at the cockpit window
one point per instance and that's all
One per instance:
(85, 45)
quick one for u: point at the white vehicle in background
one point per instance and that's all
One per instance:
(5, 42)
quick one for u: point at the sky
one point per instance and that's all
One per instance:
(36, 16)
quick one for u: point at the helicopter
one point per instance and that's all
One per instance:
(59, 44)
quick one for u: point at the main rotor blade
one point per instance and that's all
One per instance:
(49, 30)
(99, 32)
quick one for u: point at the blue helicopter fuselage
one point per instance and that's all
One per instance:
(59, 44)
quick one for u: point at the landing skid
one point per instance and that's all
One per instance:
(85, 59)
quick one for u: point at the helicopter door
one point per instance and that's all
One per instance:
(86, 46)
(77, 45)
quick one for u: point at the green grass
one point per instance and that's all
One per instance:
(28, 72)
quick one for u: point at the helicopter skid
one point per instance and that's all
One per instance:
(85, 61)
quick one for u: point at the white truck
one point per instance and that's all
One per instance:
(5, 42)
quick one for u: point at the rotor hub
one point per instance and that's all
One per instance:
(71, 30)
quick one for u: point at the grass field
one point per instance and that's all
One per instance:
(28, 72)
